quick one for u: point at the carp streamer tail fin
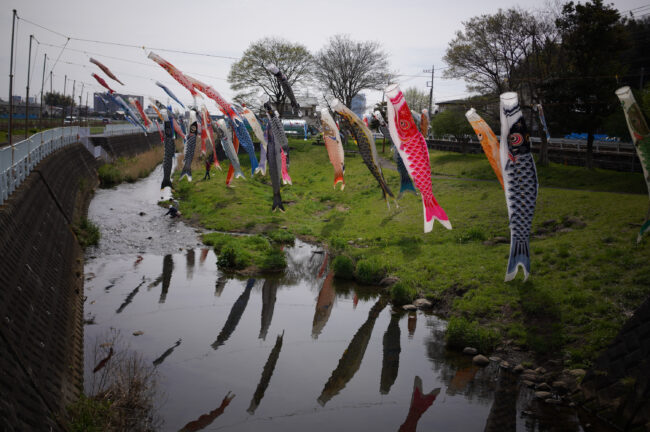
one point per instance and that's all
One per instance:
(432, 213)
(338, 178)
(165, 183)
(644, 229)
(406, 187)
(519, 257)
(277, 202)
(186, 173)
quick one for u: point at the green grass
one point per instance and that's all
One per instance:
(249, 253)
(88, 415)
(584, 282)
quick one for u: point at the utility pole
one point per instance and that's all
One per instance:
(432, 70)
(40, 112)
(11, 86)
(81, 93)
(65, 83)
(29, 66)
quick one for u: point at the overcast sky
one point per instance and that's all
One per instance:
(415, 35)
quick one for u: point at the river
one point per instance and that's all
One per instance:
(299, 351)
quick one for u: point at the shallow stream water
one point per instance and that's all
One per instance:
(299, 351)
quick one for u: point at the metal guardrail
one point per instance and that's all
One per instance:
(14, 168)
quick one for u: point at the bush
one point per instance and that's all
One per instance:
(87, 233)
(231, 258)
(337, 244)
(273, 260)
(109, 175)
(462, 333)
(370, 271)
(343, 267)
(402, 294)
(88, 414)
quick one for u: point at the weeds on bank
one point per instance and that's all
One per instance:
(87, 233)
(588, 274)
(121, 391)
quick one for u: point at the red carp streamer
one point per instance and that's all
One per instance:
(103, 83)
(106, 70)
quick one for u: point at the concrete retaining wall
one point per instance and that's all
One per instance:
(41, 285)
(41, 291)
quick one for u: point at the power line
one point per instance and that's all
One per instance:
(127, 45)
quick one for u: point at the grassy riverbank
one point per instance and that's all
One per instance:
(131, 169)
(588, 274)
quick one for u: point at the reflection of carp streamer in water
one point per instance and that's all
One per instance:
(324, 306)
(269, 292)
(392, 349)
(420, 403)
(166, 354)
(351, 359)
(236, 312)
(206, 419)
(267, 373)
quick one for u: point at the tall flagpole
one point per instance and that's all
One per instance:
(11, 85)
(40, 112)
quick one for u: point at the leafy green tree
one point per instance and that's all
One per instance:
(343, 68)
(58, 99)
(255, 84)
(452, 122)
(593, 41)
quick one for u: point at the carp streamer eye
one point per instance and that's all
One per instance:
(516, 139)
(403, 124)
(480, 136)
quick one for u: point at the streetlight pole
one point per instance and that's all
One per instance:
(11, 85)
(29, 66)
(40, 112)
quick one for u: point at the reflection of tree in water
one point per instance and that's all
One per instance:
(303, 263)
(235, 315)
(189, 258)
(420, 403)
(351, 359)
(206, 419)
(324, 306)
(267, 373)
(452, 367)
(269, 293)
(220, 285)
(412, 323)
(392, 349)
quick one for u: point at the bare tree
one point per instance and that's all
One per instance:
(416, 99)
(254, 82)
(344, 67)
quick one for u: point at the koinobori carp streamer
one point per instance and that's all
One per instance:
(640, 134)
(101, 81)
(333, 146)
(519, 181)
(106, 70)
(488, 141)
(366, 144)
(414, 152)
(169, 93)
(286, 87)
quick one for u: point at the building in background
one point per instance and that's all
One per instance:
(104, 106)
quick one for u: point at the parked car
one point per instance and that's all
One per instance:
(106, 121)
(69, 120)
